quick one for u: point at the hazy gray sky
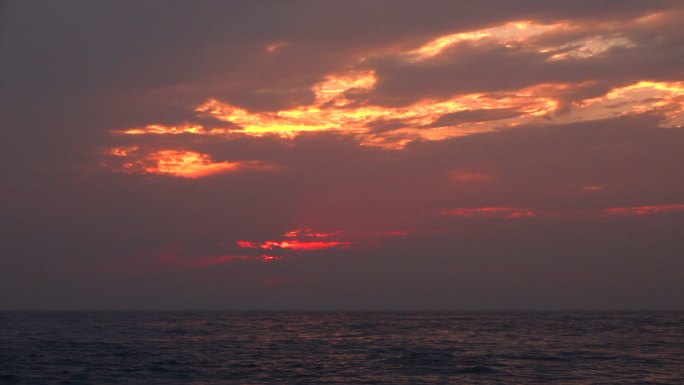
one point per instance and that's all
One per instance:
(342, 155)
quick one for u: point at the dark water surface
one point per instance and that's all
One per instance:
(351, 348)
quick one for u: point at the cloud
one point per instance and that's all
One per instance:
(178, 163)
(505, 212)
(516, 212)
(642, 210)
(477, 115)
(323, 137)
(453, 84)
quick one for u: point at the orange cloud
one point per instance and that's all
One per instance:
(587, 48)
(333, 112)
(598, 38)
(341, 101)
(273, 47)
(508, 34)
(427, 119)
(123, 151)
(640, 97)
(160, 129)
(186, 164)
(179, 163)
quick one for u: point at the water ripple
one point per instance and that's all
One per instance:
(337, 348)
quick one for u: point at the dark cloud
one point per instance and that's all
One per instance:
(469, 116)
(384, 125)
(76, 232)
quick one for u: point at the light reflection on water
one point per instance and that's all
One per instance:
(386, 348)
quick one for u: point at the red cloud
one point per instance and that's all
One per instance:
(292, 244)
(491, 212)
(641, 210)
(308, 233)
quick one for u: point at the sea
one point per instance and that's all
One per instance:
(199, 347)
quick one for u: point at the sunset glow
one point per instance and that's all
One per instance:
(344, 101)
(299, 245)
(186, 164)
(508, 34)
(429, 119)
(460, 115)
(342, 154)
(308, 243)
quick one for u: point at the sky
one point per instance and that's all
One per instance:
(342, 155)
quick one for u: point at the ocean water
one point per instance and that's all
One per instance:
(344, 348)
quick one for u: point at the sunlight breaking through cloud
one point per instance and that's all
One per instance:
(346, 101)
